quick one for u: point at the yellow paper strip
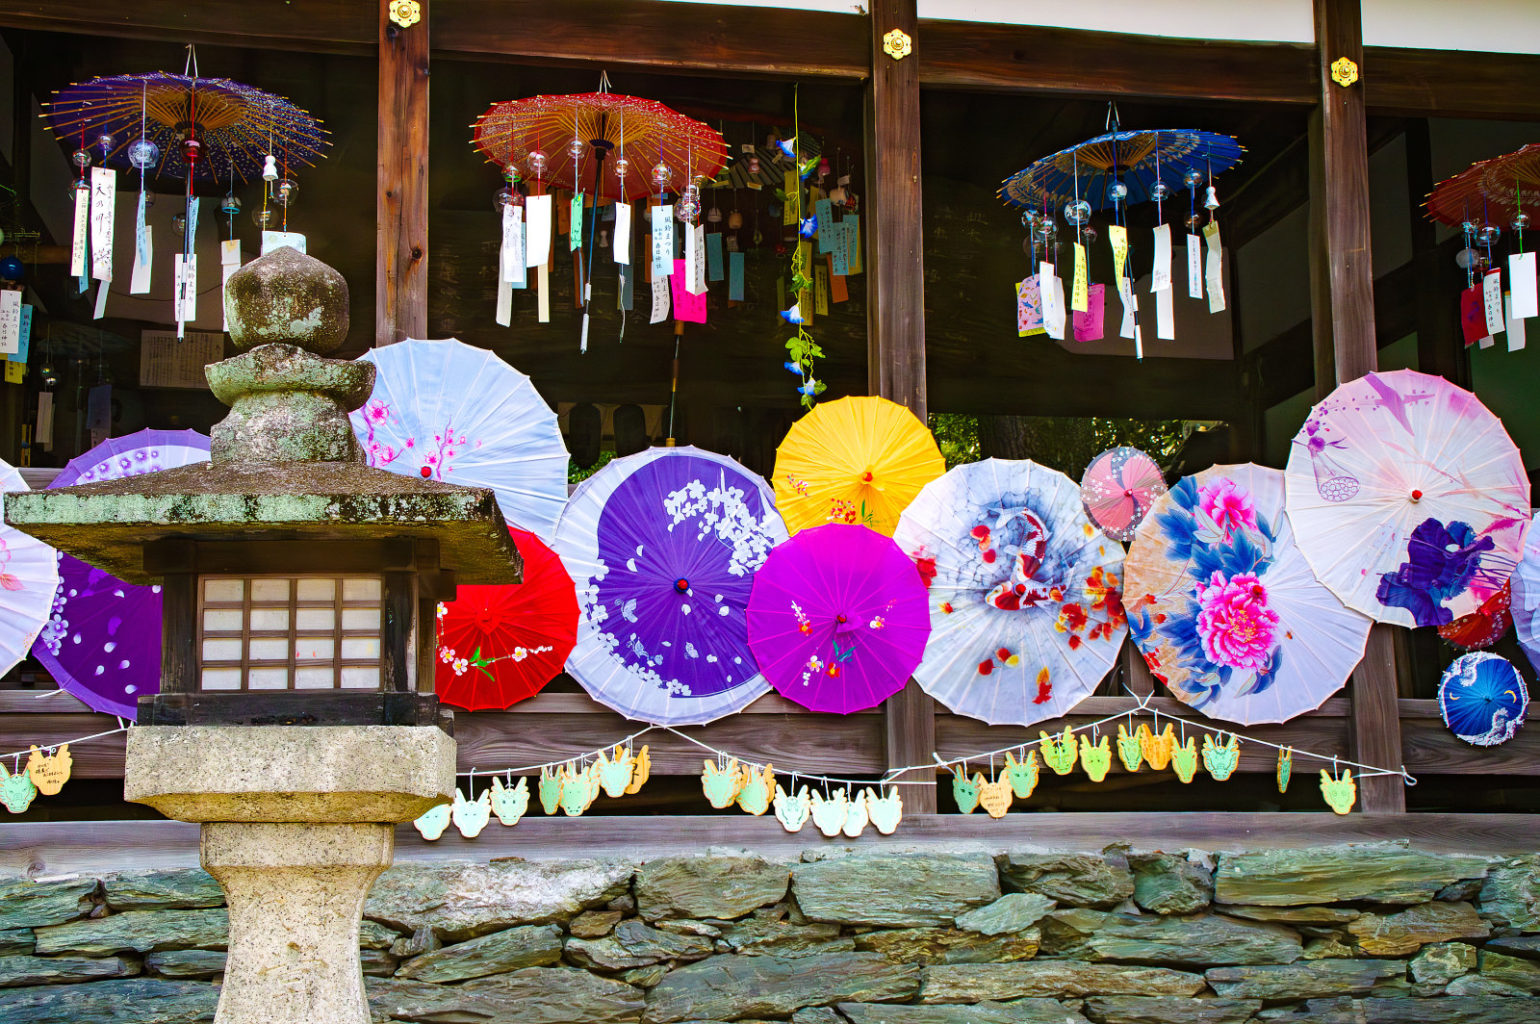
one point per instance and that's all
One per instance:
(1080, 300)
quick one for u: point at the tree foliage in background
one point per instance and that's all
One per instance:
(1065, 443)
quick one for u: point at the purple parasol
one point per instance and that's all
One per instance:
(663, 546)
(102, 642)
(838, 618)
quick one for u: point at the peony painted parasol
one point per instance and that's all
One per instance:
(663, 546)
(854, 460)
(1483, 699)
(838, 618)
(499, 645)
(1118, 488)
(1026, 608)
(29, 578)
(1224, 607)
(452, 412)
(1407, 497)
(103, 642)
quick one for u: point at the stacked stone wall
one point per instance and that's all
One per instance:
(1379, 934)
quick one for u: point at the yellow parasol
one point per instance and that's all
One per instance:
(854, 460)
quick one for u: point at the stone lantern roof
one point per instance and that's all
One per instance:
(284, 463)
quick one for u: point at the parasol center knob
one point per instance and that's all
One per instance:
(1128, 492)
(682, 585)
(192, 150)
(866, 477)
(841, 619)
(1416, 495)
(426, 472)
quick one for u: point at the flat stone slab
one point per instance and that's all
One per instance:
(108, 523)
(498, 953)
(894, 889)
(278, 773)
(1070, 879)
(1199, 941)
(730, 987)
(1404, 932)
(1010, 913)
(534, 995)
(28, 904)
(949, 945)
(1376, 872)
(461, 900)
(715, 887)
(181, 889)
(634, 944)
(972, 983)
(51, 970)
(1319, 979)
(152, 1001)
(1169, 1010)
(1020, 1011)
(1440, 1010)
(137, 931)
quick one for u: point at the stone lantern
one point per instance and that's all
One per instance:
(296, 719)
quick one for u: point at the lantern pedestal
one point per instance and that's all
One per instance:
(298, 822)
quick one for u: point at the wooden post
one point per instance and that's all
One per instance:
(401, 187)
(895, 309)
(1342, 315)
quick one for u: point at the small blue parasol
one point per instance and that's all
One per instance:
(1136, 159)
(1483, 698)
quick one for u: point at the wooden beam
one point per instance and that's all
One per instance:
(1450, 83)
(1342, 312)
(44, 849)
(327, 26)
(1437, 278)
(895, 310)
(695, 37)
(401, 204)
(1033, 58)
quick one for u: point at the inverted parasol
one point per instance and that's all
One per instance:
(1491, 191)
(1407, 497)
(663, 546)
(233, 126)
(1224, 607)
(1483, 699)
(1088, 170)
(103, 642)
(838, 618)
(29, 578)
(854, 460)
(1118, 488)
(499, 645)
(448, 411)
(1026, 608)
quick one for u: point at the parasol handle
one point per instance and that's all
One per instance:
(673, 391)
(601, 147)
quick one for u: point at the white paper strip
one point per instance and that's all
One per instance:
(79, 246)
(1487, 341)
(144, 259)
(1160, 270)
(1515, 328)
(512, 266)
(1215, 271)
(698, 280)
(101, 300)
(537, 235)
(544, 286)
(229, 263)
(1521, 282)
(694, 261)
(623, 233)
(1194, 267)
(659, 299)
(662, 241)
(1165, 318)
(1130, 308)
(104, 203)
(1052, 291)
(1492, 300)
(10, 322)
(43, 435)
(504, 303)
(224, 290)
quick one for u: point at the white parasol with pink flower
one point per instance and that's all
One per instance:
(444, 410)
(1224, 607)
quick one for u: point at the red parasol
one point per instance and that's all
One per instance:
(499, 645)
(642, 133)
(1489, 191)
(1484, 626)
